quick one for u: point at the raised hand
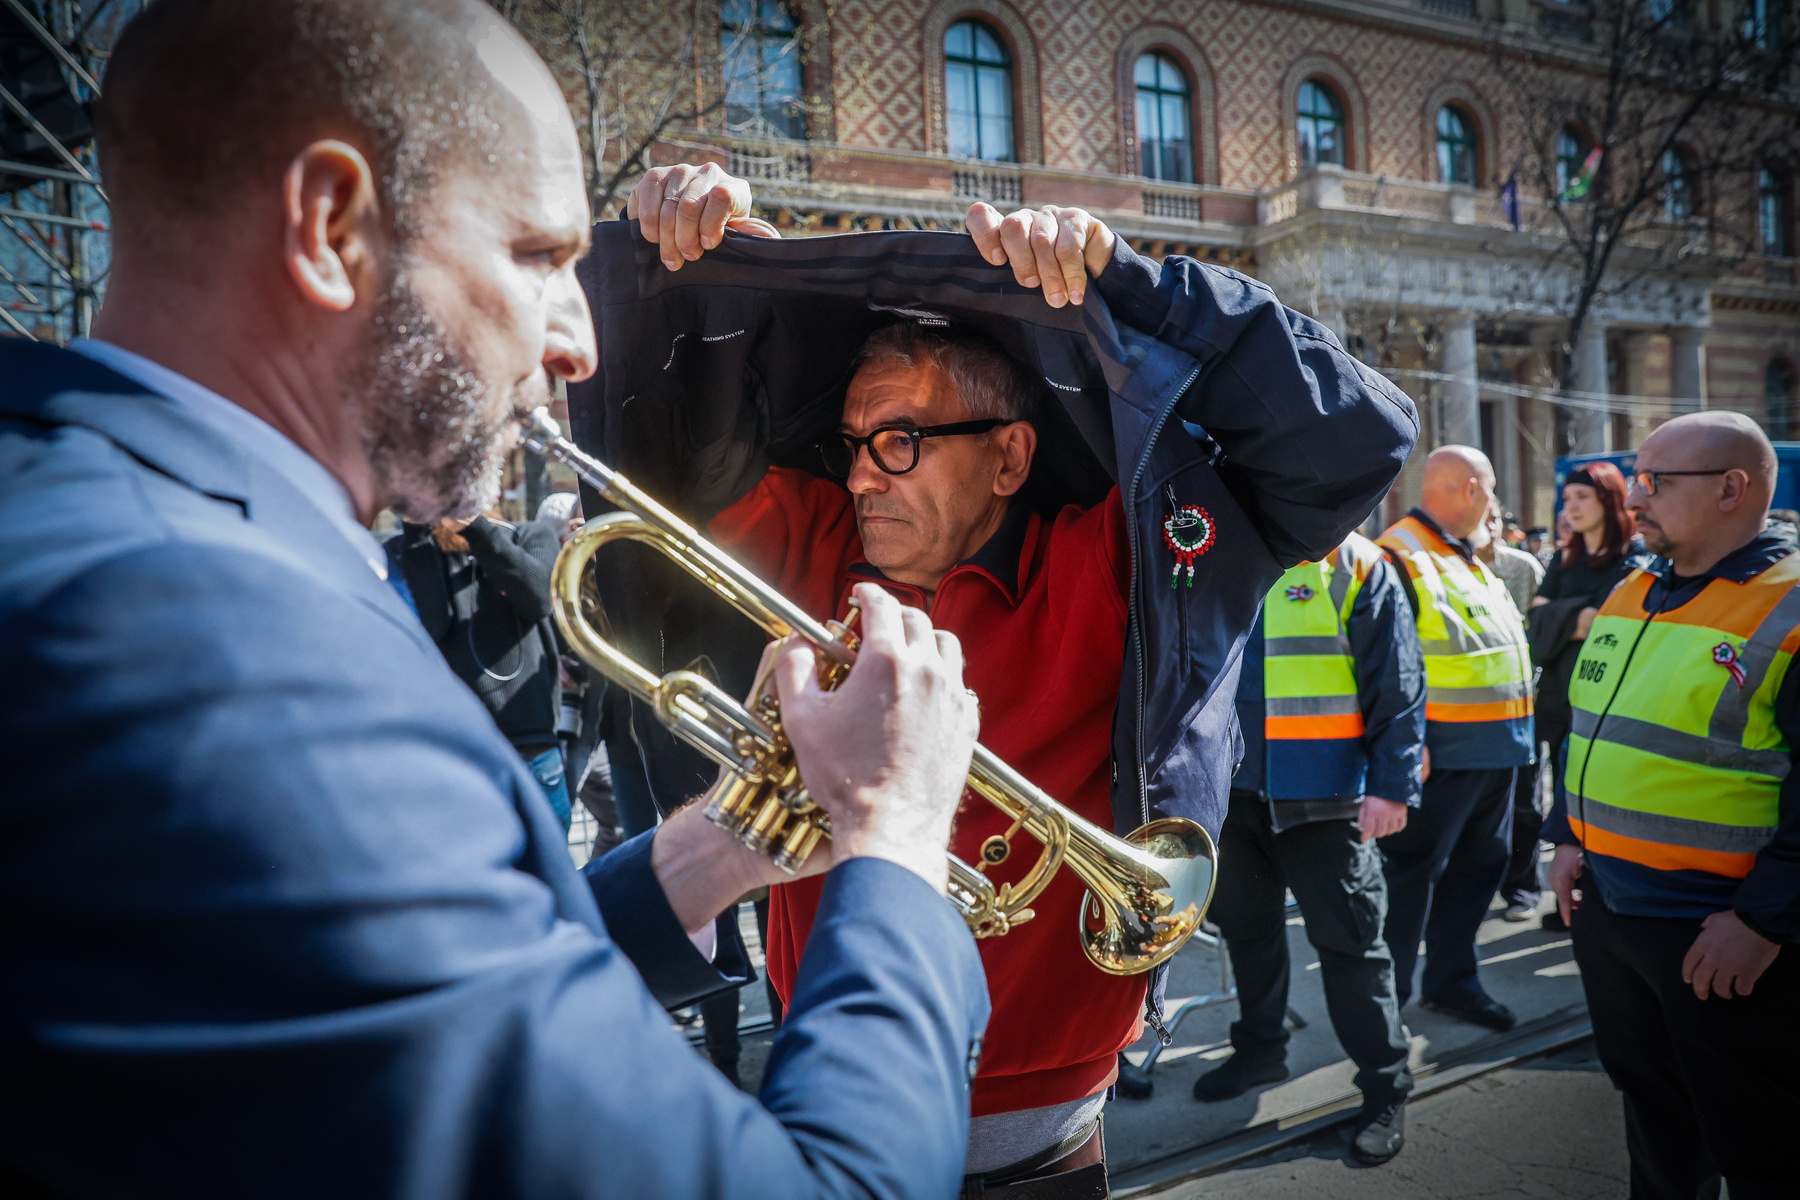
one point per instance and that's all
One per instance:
(1059, 249)
(686, 209)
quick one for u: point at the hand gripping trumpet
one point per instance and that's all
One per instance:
(1146, 892)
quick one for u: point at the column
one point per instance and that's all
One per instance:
(1687, 367)
(1588, 426)
(1331, 317)
(1508, 473)
(1637, 383)
(1462, 394)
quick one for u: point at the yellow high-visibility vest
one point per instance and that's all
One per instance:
(1309, 675)
(1675, 761)
(1477, 663)
(1312, 715)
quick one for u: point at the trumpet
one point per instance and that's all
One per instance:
(1146, 892)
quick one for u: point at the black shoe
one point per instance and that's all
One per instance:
(1477, 1008)
(1379, 1133)
(729, 1069)
(1553, 921)
(1237, 1076)
(1133, 1083)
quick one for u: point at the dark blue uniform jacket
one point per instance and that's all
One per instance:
(283, 914)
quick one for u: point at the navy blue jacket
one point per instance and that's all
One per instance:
(739, 361)
(283, 914)
(1390, 684)
(1767, 899)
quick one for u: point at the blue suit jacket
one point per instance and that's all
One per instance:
(281, 912)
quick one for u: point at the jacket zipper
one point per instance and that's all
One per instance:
(1137, 475)
(1152, 1005)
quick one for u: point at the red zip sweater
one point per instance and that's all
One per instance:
(1040, 610)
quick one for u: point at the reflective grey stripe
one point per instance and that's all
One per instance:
(1670, 831)
(1286, 647)
(1468, 643)
(1342, 576)
(1732, 713)
(1311, 706)
(1517, 689)
(1652, 738)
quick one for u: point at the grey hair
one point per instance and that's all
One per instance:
(993, 385)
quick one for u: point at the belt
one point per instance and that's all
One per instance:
(1073, 1169)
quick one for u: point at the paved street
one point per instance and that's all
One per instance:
(1529, 968)
(1551, 1128)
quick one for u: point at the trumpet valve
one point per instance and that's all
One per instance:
(801, 841)
(766, 827)
(730, 806)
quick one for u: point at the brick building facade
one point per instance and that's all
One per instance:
(1420, 275)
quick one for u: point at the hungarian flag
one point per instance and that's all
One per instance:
(1578, 187)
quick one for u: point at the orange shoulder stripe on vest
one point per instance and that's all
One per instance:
(1660, 855)
(1734, 608)
(1627, 600)
(1495, 710)
(1329, 725)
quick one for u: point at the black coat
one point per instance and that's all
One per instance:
(1553, 647)
(488, 611)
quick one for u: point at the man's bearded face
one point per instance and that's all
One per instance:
(437, 434)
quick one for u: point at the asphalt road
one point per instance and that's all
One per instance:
(1549, 1128)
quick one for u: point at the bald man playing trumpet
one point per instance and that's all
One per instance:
(1678, 839)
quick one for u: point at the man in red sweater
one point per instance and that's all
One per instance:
(936, 441)
(931, 452)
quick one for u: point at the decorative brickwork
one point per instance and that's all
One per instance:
(1081, 52)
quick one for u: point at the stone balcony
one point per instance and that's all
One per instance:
(816, 187)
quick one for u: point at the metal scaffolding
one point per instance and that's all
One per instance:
(55, 244)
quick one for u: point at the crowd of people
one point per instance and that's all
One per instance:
(289, 903)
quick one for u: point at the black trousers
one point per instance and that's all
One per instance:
(1521, 883)
(720, 1013)
(1343, 897)
(1442, 872)
(1711, 1087)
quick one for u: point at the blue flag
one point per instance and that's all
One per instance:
(1509, 199)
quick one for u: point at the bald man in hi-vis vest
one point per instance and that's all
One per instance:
(1678, 829)
(1445, 866)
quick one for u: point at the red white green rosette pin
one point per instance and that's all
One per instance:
(1726, 655)
(1188, 531)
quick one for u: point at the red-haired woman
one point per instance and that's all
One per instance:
(1601, 549)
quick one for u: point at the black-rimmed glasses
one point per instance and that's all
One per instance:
(1647, 480)
(893, 448)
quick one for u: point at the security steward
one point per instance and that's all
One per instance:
(1332, 704)
(1445, 866)
(1679, 838)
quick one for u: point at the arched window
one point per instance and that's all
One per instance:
(1455, 146)
(1571, 155)
(759, 47)
(1678, 186)
(978, 93)
(1321, 130)
(1164, 128)
(1778, 399)
(1762, 23)
(1772, 219)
